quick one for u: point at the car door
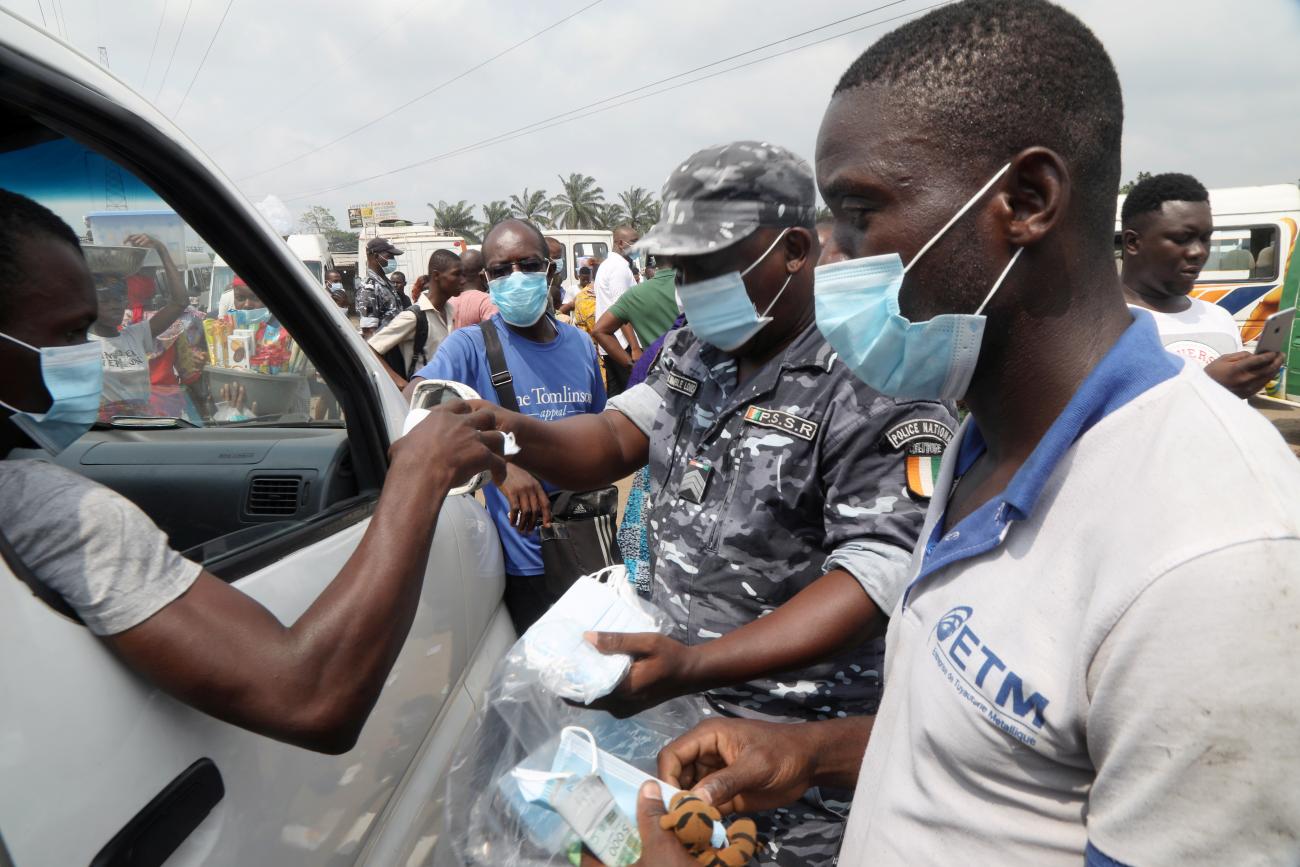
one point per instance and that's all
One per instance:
(273, 500)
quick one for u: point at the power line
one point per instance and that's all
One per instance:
(416, 99)
(44, 23)
(316, 84)
(204, 59)
(581, 113)
(152, 51)
(179, 33)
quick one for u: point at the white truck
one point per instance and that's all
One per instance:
(416, 244)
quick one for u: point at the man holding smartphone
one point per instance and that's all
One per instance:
(1167, 224)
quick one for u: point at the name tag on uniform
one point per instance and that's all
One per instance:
(695, 481)
(782, 421)
(682, 384)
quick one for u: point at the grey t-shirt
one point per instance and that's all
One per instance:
(89, 544)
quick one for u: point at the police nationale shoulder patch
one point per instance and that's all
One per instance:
(920, 436)
(782, 421)
(682, 384)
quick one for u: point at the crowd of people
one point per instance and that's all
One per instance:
(966, 543)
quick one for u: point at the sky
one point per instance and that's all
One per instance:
(1211, 88)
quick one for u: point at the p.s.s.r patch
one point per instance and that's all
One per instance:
(782, 421)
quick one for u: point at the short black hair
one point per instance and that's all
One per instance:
(401, 274)
(443, 260)
(541, 239)
(993, 77)
(1151, 193)
(22, 219)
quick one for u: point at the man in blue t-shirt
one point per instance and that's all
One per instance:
(555, 373)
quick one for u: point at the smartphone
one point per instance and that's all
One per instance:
(1277, 330)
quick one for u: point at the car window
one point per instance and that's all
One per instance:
(207, 352)
(1240, 254)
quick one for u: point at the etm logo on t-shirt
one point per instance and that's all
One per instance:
(986, 681)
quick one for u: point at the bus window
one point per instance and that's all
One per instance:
(1240, 254)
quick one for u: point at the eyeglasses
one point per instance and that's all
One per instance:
(531, 265)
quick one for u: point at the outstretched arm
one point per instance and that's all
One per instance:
(314, 683)
(580, 452)
(829, 616)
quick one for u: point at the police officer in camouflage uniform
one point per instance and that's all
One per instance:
(786, 494)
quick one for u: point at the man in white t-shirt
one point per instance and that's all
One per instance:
(1167, 224)
(613, 278)
(311, 682)
(1090, 660)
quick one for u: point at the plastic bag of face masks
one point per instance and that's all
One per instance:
(494, 811)
(554, 647)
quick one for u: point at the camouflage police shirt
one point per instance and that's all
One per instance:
(760, 489)
(378, 302)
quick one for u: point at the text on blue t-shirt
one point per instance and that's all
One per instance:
(552, 380)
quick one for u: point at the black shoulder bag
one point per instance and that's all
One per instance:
(582, 537)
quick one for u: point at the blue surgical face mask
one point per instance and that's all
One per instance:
(520, 297)
(390, 265)
(719, 310)
(74, 377)
(578, 755)
(857, 311)
(254, 315)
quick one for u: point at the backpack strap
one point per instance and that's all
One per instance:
(501, 379)
(418, 359)
(39, 589)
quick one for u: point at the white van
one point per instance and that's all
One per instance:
(581, 246)
(96, 764)
(311, 250)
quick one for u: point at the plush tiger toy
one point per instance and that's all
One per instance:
(692, 821)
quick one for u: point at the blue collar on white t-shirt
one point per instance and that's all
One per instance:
(1134, 364)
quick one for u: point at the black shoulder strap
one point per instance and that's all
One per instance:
(501, 379)
(418, 359)
(38, 588)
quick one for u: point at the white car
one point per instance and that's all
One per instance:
(96, 765)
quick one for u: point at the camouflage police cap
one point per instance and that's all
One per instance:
(721, 194)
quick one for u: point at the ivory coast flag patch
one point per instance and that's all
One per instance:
(922, 471)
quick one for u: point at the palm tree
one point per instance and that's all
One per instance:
(611, 217)
(637, 206)
(534, 206)
(456, 218)
(581, 203)
(824, 214)
(493, 213)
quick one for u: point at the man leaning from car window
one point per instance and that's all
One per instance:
(311, 683)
